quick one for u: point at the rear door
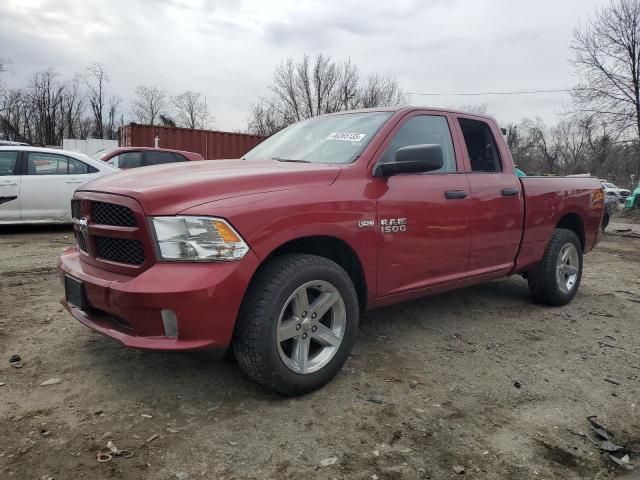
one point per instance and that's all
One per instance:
(496, 207)
(422, 219)
(9, 186)
(47, 188)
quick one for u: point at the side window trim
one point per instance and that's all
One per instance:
(22, 163)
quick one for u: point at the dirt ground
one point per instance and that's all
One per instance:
(479, 378)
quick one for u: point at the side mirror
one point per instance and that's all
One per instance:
(413, 159)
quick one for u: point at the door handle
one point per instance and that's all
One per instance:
(455, 194)
(8, 184)
(74, 181)
(510, 192)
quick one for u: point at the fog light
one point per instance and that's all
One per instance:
(170, 323)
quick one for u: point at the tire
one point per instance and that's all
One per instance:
(549, 282)
(274, 308)
(605, 221)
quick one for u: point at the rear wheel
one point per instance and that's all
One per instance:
(297, 324)
(556, 279)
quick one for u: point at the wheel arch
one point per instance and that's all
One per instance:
(334, 249)
(574, 222)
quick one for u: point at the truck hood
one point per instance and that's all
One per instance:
(171, 188)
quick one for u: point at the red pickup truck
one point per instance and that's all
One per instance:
(278, 254)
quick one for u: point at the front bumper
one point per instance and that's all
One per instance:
(205, 298)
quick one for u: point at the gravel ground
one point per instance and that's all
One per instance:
(480, 379)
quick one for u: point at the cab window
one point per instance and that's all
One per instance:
(481, 146)
(424, 130)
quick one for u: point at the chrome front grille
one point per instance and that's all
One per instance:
(111, 232)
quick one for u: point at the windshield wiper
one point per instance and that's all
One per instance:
(289, 160)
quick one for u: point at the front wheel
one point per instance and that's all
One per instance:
(555, 280)
(297, 324)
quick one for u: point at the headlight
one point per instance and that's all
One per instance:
(197, 239)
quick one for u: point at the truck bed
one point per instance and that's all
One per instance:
(553, 201)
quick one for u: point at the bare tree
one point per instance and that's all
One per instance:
(111, 130)
(45, 95)
(167, 121)
(533, 146)
(381, 92)
(543, 142)
(96, 79)
(264, 119)
(191, 110)
(73, 106)
(15, 115)
(149, 102)
(606, 57)
(314, 86)
(475, 109)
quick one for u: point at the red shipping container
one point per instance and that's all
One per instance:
(210, 144)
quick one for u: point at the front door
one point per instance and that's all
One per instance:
(9, 187)
(422, 219)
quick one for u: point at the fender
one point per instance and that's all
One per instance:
(281, 217)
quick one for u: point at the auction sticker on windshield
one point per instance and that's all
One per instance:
(346, 136)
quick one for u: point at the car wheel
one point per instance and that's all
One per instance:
(605, 221)
(555, 280)
(297, 324)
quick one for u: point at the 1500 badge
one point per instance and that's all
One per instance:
(393, 225)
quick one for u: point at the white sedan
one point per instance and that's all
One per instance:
(36, 184)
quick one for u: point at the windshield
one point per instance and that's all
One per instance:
(328, 139)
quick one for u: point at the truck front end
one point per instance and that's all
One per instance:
(161, 283)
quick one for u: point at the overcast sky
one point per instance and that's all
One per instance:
(227, 49)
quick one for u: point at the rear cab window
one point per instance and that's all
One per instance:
(482, 148)
(127, 160)
(8, 163)
(157, 158)
(424, 130)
